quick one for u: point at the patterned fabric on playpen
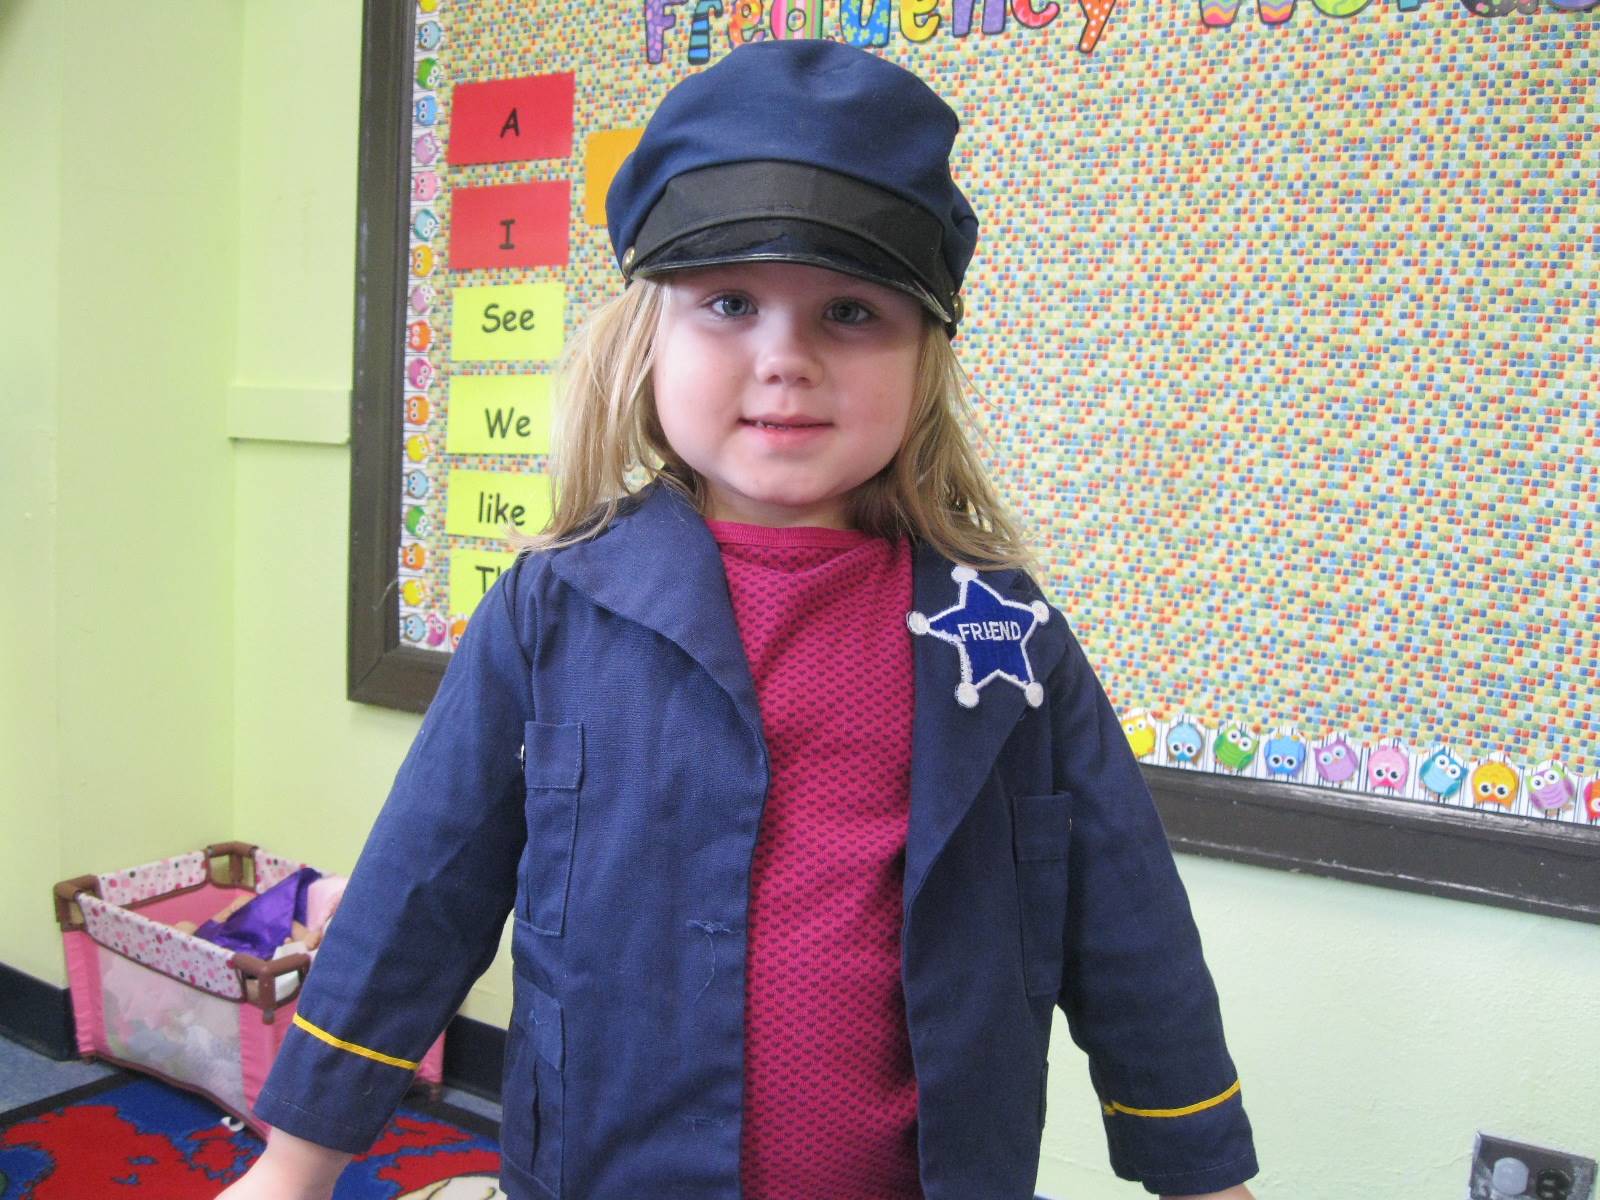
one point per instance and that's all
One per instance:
(152, 997)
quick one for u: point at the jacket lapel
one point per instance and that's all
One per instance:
(657, 564)
(953, 748)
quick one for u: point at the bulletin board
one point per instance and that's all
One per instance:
(1283, 323)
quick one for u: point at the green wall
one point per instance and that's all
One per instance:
(117, 714)
(30, 777)
(176, 476)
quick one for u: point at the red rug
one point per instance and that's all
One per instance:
(131, 1136)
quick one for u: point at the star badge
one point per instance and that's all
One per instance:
(990, 633)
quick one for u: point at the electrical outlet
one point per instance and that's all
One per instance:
(1507, 1170)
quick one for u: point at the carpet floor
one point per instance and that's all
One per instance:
(129, 1135)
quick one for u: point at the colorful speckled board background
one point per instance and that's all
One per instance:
(1285, 332)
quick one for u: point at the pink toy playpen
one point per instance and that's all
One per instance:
(154, 998)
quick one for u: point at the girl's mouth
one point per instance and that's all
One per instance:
(791, 433)
(783, 425)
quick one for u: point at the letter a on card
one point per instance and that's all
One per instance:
(512, 120)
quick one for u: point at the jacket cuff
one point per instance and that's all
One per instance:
(1209, 1150)
(1204, 1181)
(310, 1090)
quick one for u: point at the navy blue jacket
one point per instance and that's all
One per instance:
(593, 765)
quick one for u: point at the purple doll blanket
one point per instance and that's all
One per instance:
(263, 924)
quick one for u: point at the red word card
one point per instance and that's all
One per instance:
(509, 120)
(510, 225)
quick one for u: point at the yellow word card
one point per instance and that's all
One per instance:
(472, 573)
(499, 414)
(512, 322)
(482, 502)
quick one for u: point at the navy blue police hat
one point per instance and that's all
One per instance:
(799, 151)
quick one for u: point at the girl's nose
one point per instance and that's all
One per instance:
(788, 354)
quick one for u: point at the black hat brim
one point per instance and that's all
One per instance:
(777, 211)
(789, 240)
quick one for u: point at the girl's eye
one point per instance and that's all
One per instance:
(849, 312)
(731, 306)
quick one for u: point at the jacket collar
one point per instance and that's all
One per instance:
(658, 565)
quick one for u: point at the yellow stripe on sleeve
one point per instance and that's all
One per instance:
(324, 1035)
(1111, 1106)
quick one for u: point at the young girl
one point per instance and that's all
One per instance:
(806, 806)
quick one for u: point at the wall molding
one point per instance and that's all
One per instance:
(36, 1014)
(277, 413)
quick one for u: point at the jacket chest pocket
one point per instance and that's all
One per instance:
(552, 767)
(533, 1090)
(1042, 828)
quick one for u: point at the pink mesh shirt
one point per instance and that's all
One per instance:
(830, 1103)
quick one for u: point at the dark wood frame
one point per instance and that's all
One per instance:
(1488, 858)
(1493, 858)
(379, 670)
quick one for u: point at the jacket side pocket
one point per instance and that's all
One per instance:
(533, 1092)
(552, 768)
(549, 1053)
(519, 1119)
(1042, 827)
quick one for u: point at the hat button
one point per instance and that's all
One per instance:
(627, 259)
(956, 306)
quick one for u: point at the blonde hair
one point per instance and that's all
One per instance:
(609, 444)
